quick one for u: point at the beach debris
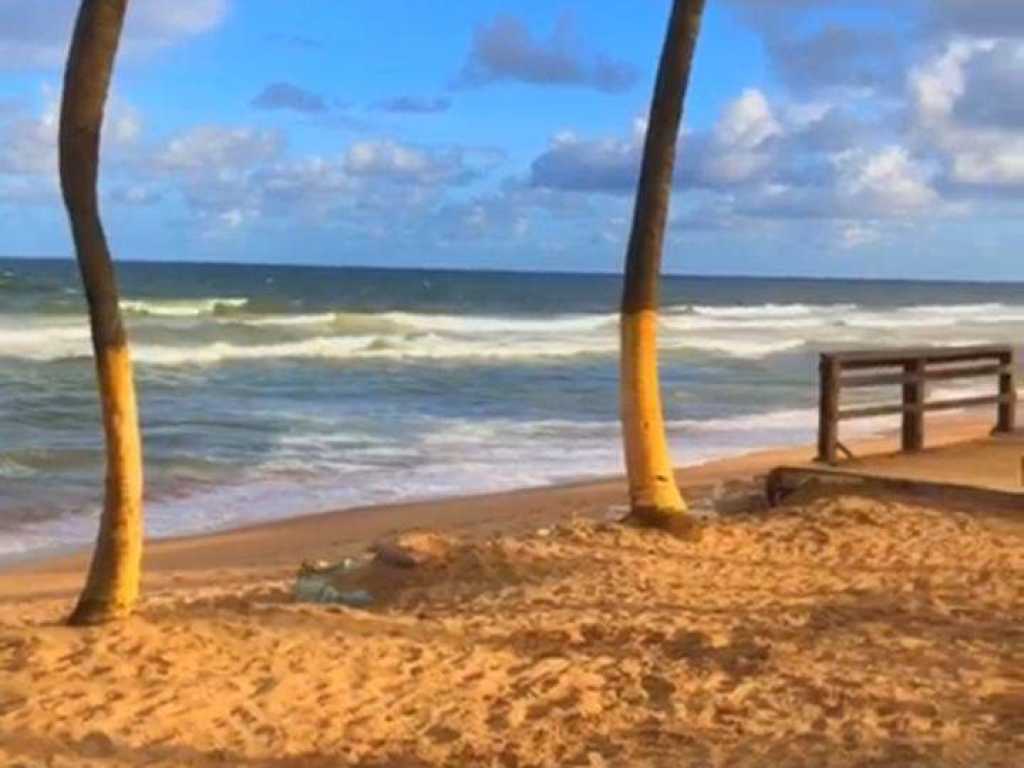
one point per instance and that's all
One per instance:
(743, 502)
(413, 550)
(325, 567)
(314, 584)
(543, 532)
(310, 588)
(376, 576)
(616, 513)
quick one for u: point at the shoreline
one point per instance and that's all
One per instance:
(280, 545)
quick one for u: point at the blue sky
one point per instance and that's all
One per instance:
(864, 138)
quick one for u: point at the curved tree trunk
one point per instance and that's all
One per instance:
(113, 582)
(653, 495)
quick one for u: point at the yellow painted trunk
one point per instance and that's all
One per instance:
(653, 495)
(112, 586)
(113, 583)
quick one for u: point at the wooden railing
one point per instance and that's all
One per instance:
(916, 367)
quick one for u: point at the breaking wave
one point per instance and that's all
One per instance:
(767, 310)
(211, 330)
(182, 307)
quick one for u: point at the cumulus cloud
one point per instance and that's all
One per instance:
(855, 185)
(761, 162)
(887, 182)
(505, 49)
(887, 117)
(850, 59)
(589, 165)
(507, 216)
(993, 81)
(287, 96)
(392, 160)
(136, 194)
(980, 142)
(28, 146)
(856, 235)
(739, 146)
(231, 178)
(868, 128)
(35, 35)
(163, 23)
(217, 148)
(733, 151)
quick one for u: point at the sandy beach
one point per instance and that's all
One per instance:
(839, 630)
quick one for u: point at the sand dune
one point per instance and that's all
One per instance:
(849, 631)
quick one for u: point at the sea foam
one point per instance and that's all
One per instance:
(181, 307)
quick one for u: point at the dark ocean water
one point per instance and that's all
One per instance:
(270, 390)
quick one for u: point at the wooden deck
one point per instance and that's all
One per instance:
(988, 469)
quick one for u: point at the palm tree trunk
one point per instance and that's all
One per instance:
(653, 495)
(112, 586)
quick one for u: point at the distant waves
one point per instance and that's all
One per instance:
(214, 330)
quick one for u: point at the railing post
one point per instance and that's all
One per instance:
(828, 409)
(1007, 421)
(913, 412)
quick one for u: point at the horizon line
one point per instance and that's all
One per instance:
(552, 272)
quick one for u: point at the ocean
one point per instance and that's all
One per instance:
(269, 391)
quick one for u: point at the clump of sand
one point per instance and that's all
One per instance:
(836, 631)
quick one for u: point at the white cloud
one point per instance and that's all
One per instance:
(166, 22)
(738, 141)
(939, 83)
(885, 183)
(978, 150)
(213, 147)
(506, 49)
(233, 218)
(234, 177)
(739, 147)
(34, 34)
(392, 160)
(760, 162)
(747, 122)
(388, 158)
(857, 235)
(28, 146)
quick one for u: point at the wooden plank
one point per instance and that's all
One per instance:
(1007, 417)
(913, 402)
(893, 357)
(875, 410)
(948, 374)
(964, 402)
(828, 409)
(942, 405)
